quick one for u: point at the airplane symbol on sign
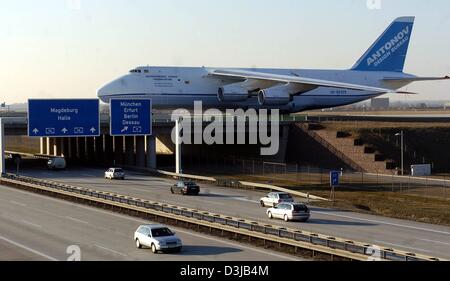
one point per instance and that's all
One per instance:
(35, 131)
(50, 131)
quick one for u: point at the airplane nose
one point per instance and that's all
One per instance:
(106, 92)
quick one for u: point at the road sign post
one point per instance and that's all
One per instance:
(334, 182)
(2, 148)
(131, 117)
(63, 118)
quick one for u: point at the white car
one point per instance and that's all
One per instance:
(158, 238)
(57, 163)
(289, 212)
(275, 198)
(115, 173)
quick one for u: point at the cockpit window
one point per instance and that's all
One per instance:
(135, 71)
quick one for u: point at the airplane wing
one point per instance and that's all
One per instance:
(415, 79)
(299, 83)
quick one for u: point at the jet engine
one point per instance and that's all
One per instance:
(278, 95)
(232, 93)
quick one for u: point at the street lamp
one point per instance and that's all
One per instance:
(401, 135)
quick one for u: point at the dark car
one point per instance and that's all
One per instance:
(185, 188)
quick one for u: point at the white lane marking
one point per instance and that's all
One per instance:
(383, 222)
(110, 250)
(28, 248)
(76, 220)
(32, 224)
(244, 200)
(434, 241)
(17, 203)
(401, 246)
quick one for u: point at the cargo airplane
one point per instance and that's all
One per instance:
(379, 71)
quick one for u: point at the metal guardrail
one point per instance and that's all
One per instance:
(245, 184)
(186, 176)
(281, 189)
(317, 243)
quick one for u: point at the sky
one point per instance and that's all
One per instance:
(70, 48)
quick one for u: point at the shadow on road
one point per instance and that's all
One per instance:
(207, 250)
(336, 222)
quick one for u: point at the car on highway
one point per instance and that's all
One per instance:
(159, 238)
(290, 212)
(275, 198)
(57, 163)
(185, 188)
(115, 173)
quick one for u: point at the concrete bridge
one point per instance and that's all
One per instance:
(139, 151)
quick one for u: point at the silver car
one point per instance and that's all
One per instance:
(289, 212)
(275, 198)
(158, 238)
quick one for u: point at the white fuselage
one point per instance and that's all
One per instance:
(180, 87)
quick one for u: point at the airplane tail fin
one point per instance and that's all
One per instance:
(389, 51)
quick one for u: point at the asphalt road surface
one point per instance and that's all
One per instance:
(39, 228)
(405, 235)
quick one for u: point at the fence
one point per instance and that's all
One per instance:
(300, 176)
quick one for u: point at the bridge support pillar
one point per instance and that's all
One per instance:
(81, 148)
(140, 151)
(58, 146)
(108, 149)
(65, 147)
(48, 144)
(2, 148)
(90, 148)
(118, 150)
(52, 147)
(43, 146)
(129, 151)
(151, 152)
(99, 150)
(70, 149)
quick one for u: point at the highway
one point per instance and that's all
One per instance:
(405, 235)
(39, 228)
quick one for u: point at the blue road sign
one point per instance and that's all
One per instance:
(131, 117)
(63, 118)
(334, 178)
